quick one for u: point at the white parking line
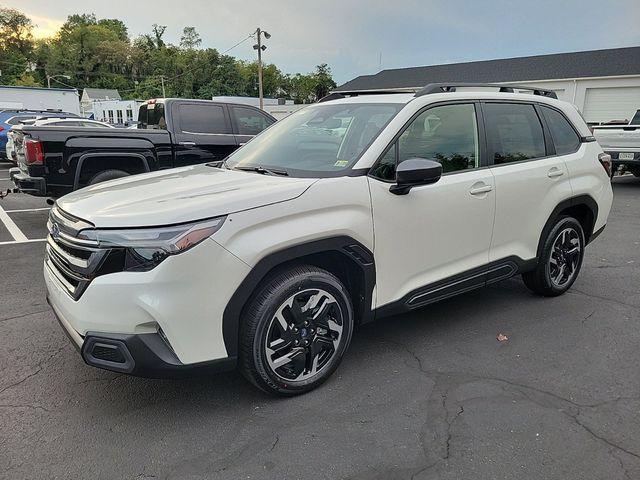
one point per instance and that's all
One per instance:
(15, 242)
(5, 179)
(28, 210)
(14, 231)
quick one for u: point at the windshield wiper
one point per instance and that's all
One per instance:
(263, 171)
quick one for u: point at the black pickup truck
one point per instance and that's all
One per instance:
(53, 161)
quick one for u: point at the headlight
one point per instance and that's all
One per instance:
(136, 249)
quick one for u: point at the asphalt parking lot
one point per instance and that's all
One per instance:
(427, 395)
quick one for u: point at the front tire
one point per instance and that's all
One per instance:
(560, 261)
(295, 331)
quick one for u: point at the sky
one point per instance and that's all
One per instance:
(360, 37)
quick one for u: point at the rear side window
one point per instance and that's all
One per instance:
(514, 132)
(564, 136)
(202, 118)
(250, 121)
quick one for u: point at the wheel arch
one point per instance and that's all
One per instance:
(345, 257)
(130, 162)
(583, 208)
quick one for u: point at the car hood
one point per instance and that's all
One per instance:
(178, 195)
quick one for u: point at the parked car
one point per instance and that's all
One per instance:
(51, 122)
(171, 133)
(623, 144)
(268, 261)
(9, 118)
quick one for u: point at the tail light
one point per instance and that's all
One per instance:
(605, 161)
(1, 129)
(33, 153)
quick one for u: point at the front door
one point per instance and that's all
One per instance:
(434, 241)
(248, 122)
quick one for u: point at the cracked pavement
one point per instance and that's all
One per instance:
(426, 395)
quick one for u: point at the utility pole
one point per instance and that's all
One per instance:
(49, 77)
(260, 48)
(164, 95)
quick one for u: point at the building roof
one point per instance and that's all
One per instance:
(101, 93)
(594, 63)
(20, 87)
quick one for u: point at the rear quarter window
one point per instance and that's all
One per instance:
(565, 138)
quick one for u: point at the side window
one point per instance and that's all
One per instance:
(249, 121)
(447, 134)
(385, 169)
(514, 132)
(565, 138)
(202, 118)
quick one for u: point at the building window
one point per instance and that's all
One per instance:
(110, 116)
(129, 115)
(104, 115)
(119, 113)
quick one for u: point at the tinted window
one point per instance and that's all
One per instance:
(447, 134)
(151, 116)
(250, 121)
(514, 132)
(636, 119)
(565, 138)
(202, 118)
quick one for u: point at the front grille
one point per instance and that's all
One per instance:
(72, 260)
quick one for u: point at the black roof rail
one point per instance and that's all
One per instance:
(354, 93)
(451, 87)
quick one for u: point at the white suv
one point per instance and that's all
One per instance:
(358, 207)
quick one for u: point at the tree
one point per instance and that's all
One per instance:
(323, 81)
(190, 38)
(15, 31)
(158, 32)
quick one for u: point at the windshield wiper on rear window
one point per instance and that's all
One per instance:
(263, 171)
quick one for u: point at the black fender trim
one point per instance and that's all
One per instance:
(570, 202)
(85, 156)
(351, 249)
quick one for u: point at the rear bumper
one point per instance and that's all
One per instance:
(142, 355)
(615, 157)
(32, 185)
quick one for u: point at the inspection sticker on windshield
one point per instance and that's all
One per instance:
(341, 163)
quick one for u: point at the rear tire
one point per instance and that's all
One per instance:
(107, 175)
(295, 331)
(560, 260)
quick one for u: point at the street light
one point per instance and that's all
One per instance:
(260, 48)
(49, 77)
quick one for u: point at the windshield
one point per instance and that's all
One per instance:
(319, 140)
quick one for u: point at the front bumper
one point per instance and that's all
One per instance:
(32, 185)
(143, 355)
(168, 319)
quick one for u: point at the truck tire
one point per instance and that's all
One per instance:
(107, 175)
(295, 331)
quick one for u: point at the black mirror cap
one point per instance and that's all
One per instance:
(414, 172)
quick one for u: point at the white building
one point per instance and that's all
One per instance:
(603, 84)
(37, 98)
(90, 95)
(117, 112)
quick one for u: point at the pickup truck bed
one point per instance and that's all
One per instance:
(623, 144)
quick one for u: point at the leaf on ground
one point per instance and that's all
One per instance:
(502, 337)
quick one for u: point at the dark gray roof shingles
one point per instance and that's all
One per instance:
(594, 63)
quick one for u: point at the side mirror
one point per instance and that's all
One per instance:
(414, 172)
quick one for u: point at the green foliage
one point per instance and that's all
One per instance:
(99, 53)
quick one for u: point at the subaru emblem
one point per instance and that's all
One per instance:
(55, 230)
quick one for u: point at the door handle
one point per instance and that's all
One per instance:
(554, 172)
(481, 190)
(188, 144)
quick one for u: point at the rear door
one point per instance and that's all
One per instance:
(531, 180)
(247, 122)
(203, 132)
